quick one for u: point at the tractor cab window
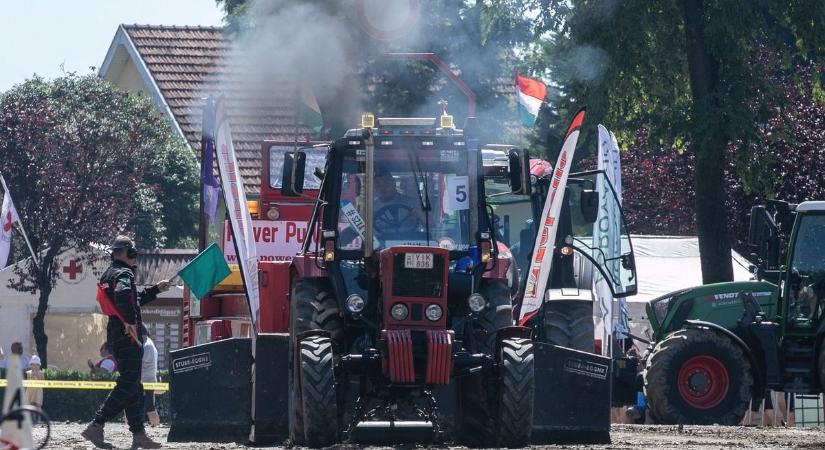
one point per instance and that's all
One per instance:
(420, 197)
(806, 277)
(606, 241)
(316, 158)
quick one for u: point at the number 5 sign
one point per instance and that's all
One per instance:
(456, 196)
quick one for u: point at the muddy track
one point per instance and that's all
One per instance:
(67, 436)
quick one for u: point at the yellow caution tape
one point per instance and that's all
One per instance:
(65, 384)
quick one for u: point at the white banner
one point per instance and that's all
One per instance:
(539, 270)
(236, 207)
(275, 240)
(607, 229)
(8, 216)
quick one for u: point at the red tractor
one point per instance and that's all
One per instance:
(403, 292)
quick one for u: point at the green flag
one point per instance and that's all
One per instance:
(204, 272)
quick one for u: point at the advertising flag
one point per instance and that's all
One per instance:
(539, 269)
(607, 229)
(240, 221)
(209, 185)
(8, 216)
(531, 94)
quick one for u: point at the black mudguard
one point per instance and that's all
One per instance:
(212, 396)
(572, 396)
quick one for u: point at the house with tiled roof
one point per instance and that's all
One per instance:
(178, 67)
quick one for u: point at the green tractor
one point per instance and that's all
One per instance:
(717, 347)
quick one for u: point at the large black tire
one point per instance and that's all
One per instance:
(820, 366)
(516, 391)
(318, 392)
(569, 323)
(476, 392)
(698, 377)
(313, 308)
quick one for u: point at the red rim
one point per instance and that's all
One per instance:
(703, 382)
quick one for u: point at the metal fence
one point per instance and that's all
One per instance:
(809, 411)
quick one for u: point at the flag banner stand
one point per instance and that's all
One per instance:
(539, 269)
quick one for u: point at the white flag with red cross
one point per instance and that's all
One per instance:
(8, 216)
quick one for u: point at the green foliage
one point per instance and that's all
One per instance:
(167, 201)
(75, 151)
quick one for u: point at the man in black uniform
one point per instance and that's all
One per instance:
(125, 339)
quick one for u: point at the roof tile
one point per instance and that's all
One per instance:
(187, 63)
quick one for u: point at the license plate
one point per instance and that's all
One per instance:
(418, 260)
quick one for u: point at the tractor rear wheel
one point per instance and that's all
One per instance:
(698, 377)
(313, 307)
(476, 392)
(516, 391)
(318, 392)
(569, 323)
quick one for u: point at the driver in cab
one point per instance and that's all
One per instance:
(394, 211)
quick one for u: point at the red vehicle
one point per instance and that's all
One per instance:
(280, 228)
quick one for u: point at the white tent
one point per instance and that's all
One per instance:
(665, 264)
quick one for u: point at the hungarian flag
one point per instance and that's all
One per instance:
(531, 94)
(8, 216)
(309, 110)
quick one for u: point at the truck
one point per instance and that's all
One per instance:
(719, 346)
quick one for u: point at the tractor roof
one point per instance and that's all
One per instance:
(811, 206)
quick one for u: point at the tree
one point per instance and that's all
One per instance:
(75, 151)
(683, 71)
(481, 41)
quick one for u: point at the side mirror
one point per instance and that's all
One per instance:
(293, 174)
(589, 202)
(520, 171)
(759, 228)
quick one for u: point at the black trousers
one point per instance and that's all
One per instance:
(128, 392)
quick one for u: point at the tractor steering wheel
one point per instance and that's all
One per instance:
(395, 218)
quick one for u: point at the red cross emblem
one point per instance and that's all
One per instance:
(7, 222)
(73, 269)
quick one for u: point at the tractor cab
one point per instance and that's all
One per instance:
(802, 278)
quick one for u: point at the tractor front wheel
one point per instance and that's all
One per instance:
(318, 392)
(476, 397)
(313, 307)
(516, 391)
(698, 377)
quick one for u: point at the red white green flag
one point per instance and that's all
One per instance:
(531, 94)
(309, 110)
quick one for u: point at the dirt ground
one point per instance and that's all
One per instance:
(67, 436)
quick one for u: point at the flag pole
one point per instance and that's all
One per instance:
(19, 222)
(518, 119)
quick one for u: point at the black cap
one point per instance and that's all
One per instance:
(122, 242)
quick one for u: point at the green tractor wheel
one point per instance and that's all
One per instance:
(698, 376)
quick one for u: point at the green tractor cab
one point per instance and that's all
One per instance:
(716, 347)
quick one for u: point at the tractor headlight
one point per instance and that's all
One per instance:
(476, 302)
(399, 311)
(355, 303)
(433, 313)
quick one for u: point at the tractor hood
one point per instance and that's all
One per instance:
(718, 303)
